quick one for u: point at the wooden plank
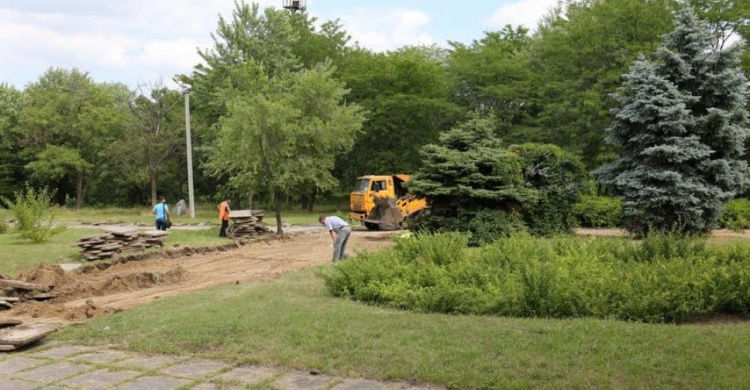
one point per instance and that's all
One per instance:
(43, 296)
(10, 299)
(154, 233)
(23, 285)
(25, 334)
(7, 348)
(9, 322)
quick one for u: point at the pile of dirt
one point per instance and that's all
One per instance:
(120, 282)
(58, 310)
(50, 275)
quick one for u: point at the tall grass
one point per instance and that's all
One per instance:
(664, 278)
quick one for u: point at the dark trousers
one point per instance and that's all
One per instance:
(223, 230)
(161, 224)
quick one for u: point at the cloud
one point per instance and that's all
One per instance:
(387, 30)
(132, 41)
(34, 40)
(522, 12)
(117, 40)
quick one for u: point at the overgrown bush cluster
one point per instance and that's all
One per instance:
(34, 214)
(663, 278)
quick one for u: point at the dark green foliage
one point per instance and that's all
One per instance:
(559, 178)
(577, 58)
(484, 226)
(665, 278)
(736, 214)
(598, 211)
(468, 170)
(469, 174)
(682, 131)
(407, 98)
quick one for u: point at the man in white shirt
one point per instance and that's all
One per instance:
(340, 231)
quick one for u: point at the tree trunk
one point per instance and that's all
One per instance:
(277, 208)
(250, 200)
(311, 200)
(153, 188)
(79, 190)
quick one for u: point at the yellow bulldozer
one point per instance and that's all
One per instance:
(380, 202)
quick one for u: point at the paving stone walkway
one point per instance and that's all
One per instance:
(57, 366)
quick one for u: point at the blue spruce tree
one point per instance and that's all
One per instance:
(681, 130)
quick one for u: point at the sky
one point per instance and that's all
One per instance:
(141, 42)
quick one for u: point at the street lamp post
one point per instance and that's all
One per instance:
(188, 139)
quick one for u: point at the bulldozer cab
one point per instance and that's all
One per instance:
(398, 185)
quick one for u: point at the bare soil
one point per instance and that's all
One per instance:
(136, 280)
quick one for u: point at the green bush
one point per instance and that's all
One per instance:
(598, 211)
(484, 226)
(559, 178)
(34, 214)
(736, 214)
(664, 278)
(487, 226)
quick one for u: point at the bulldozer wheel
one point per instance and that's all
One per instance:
(372, 226)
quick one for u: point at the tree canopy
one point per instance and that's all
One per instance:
(682, 131)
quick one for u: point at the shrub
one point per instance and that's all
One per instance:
(559, 178)
(598, 211)
(664, 278)
(488, 226)
(736, 214)
(484, 226)
(34, 214)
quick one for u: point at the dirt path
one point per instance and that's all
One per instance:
(121, 286)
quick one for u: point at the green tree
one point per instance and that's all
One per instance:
(70, 122)
(155, 132)
(578, 55)
(475, 184)
(11, 166)
(493, 76)
(728, 19)
(282, 132)
(282, 41)
(407, 97)
(682, 129)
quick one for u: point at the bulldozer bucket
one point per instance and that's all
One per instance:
(385, 214)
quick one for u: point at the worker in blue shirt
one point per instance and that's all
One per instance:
(340, 231)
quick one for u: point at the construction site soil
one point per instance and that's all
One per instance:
(130, 281)
(106, 287)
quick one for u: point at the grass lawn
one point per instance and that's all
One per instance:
(292, 322)
(18, 255)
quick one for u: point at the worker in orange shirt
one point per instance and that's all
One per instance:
(224, 216)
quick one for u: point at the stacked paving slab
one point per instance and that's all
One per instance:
(105, 245)
(245, 223)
